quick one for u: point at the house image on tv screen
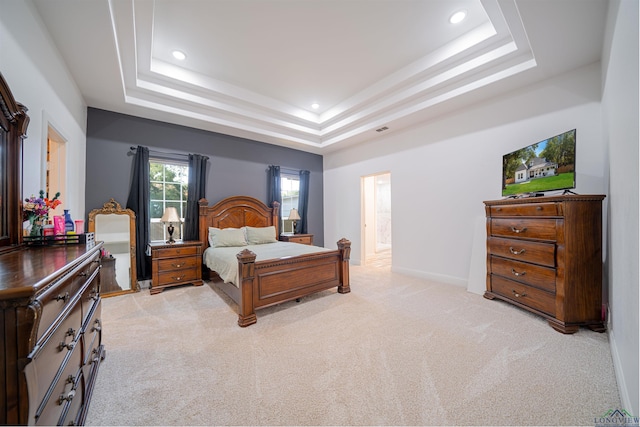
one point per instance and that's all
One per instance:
(536, 168)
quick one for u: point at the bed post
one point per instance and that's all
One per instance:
(344, 246)
(246, 273)
(203, 228)
(275, 217)
(203, 231)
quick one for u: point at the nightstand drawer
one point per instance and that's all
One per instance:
(176, 251)
(177, 276)
(304, 239)
(178, 263)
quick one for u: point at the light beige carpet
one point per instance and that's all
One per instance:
(395, 351)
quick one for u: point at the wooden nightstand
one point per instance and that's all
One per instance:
(175, 264)
(305, 239)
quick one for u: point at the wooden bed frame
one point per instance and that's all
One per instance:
(270, 282)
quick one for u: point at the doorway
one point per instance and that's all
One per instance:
(376, 220)
(56, 167)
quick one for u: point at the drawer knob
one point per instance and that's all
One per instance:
(519, 230)
(97, 327)
(96, 356)
(515, 273)
(518, 295)
(70, 333)
(177, 279)
(178, 265)
(64, 345)
(68, 398)
(515, 252)
(64, 298)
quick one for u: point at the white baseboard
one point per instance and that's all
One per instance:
(623, 389)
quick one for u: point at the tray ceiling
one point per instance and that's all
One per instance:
(253, 68)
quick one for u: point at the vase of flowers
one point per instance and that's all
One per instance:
(36, 211)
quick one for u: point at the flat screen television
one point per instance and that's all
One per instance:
(547, 165)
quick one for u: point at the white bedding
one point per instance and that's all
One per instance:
(224, 262)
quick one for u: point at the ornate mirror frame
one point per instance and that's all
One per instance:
(120, 241)
(13, 129)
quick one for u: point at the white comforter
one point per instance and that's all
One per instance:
(224, 262)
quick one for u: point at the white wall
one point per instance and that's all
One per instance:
(620, 124)
(38, 78)
(443, 170)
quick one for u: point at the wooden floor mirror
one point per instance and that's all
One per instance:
(116, 227)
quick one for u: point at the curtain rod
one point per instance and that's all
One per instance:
(164, 153)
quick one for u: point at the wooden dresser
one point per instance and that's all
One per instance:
(175, 264)
(544, 254)
(305, 239)
(50, 314)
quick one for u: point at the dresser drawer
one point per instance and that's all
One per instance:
(56, 351)
(531, 209)
(92, 334)
(530, 274)
(71, 410)
(176, 251)
(56, 300)
(178, 263)
(63, 391)
(524, 228)
(90, 298)
(524, 294)
(177, 276)
(523, 250)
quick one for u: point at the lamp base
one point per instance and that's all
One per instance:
(170, 230)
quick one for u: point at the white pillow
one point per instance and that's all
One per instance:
(226, 237)
(260, 235)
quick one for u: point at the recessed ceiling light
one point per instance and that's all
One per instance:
(180, 56)
(315, 105)
(458, 16)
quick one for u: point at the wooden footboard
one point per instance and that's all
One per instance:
(270, 282)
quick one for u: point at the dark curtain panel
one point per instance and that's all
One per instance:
(274, 190)
(303, 203)
(195, 192)
(138, 202)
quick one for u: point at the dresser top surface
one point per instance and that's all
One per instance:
(25, 271)
(547, 199)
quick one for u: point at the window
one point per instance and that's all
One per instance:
(168, 188)
(289, 191)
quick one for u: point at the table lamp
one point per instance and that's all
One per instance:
(294, 216)
(170, 216)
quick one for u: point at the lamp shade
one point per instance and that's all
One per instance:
(170, 215)
(294, 215)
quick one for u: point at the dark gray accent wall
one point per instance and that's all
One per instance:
(237, 166)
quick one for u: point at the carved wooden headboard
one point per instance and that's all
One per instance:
(236, 212)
